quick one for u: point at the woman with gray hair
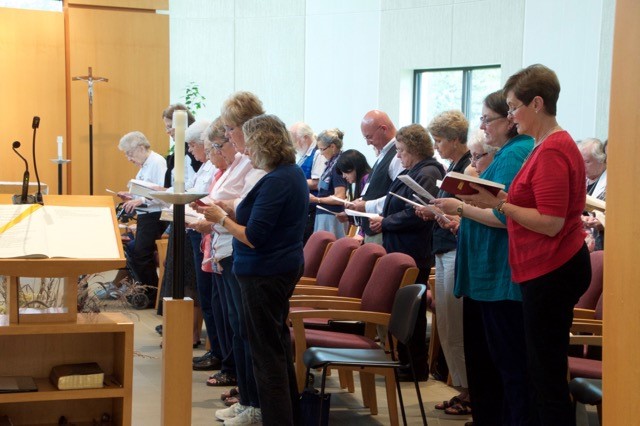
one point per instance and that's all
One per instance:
(595, 165)
(152, 166)
(482, 153)
(268, 260)
(331, 184)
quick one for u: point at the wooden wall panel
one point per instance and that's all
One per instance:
(135, 4)
(621, 368)
(131, 49)
(31, 83)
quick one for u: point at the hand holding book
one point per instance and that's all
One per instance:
(483, 199)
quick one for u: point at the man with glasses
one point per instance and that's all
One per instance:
(378, 130)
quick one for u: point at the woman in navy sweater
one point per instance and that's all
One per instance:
(268, 260)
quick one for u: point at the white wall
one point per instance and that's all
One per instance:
(328, 62)
(567, 37)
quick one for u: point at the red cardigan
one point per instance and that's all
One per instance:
(551, 181)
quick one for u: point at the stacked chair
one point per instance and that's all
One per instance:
(391, 272)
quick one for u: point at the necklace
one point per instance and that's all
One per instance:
(537, 144)
(546, 135)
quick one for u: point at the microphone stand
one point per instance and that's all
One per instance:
(60, 161)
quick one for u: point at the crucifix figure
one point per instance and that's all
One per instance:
(90, 79)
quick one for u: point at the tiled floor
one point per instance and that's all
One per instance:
(346, 409)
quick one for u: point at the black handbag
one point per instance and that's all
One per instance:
(314, 409)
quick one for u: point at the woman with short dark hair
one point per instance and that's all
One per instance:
(547, 253)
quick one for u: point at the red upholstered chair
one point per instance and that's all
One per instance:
(390, 273)
(587, 333)
(315, 250)
(355, 276)
(333, 264)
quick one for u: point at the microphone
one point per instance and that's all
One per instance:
(34, 125)
(24, 198)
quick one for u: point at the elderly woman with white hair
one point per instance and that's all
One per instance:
(152, 166)
(595, 164)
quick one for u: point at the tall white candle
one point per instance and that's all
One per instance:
(180, 126)
(60, 148)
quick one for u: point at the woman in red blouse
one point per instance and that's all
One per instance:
(547, 253)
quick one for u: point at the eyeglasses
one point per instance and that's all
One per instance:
(325, 148)
(477, 157)
(219, 146)
(513, 110)
(486, 120)
(229, 128)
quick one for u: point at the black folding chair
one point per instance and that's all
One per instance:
(402, 323)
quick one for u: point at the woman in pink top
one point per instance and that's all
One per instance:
(547, 253)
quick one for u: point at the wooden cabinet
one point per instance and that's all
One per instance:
(33, 349)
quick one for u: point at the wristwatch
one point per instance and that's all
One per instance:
(500, 206)
(222, 219)
(459, 210)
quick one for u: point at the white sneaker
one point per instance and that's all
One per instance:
(250, 416)
(231, 412)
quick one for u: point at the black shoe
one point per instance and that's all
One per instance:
(211, 363)
(206, 355)
(159, 329)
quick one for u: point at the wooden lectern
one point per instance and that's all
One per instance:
(30, 345)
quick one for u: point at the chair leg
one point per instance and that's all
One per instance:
(346, 380)
(399, 389)
(417, 385)
(392, 403)
(368, 388)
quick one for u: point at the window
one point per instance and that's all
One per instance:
(453, 88)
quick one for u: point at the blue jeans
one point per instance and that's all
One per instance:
(241, 349)
(266, 307)
(203, 285)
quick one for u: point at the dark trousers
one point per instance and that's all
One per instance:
(219, 304)
(311, 220)
(143, 264)
(204, 282)
(266, 306)
(496, 362)
(241, 349)
(548, 303)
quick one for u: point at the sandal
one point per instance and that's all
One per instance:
(228, 394)
(463, 408)
(231, 401)
(447, 404)
(221, 379)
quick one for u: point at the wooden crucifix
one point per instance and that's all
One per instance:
(90, 79)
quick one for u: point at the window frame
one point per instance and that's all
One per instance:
(467, 80)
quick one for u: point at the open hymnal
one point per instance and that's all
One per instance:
(143, 188)
(459, 184)
(421, 204)
(36, 231)
(190, 215)
(77, 376)
(415, 186)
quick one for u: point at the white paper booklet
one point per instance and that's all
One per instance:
(142, 188)
(360, 214)
(35, 231)
(407, 180)
(190, 215)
